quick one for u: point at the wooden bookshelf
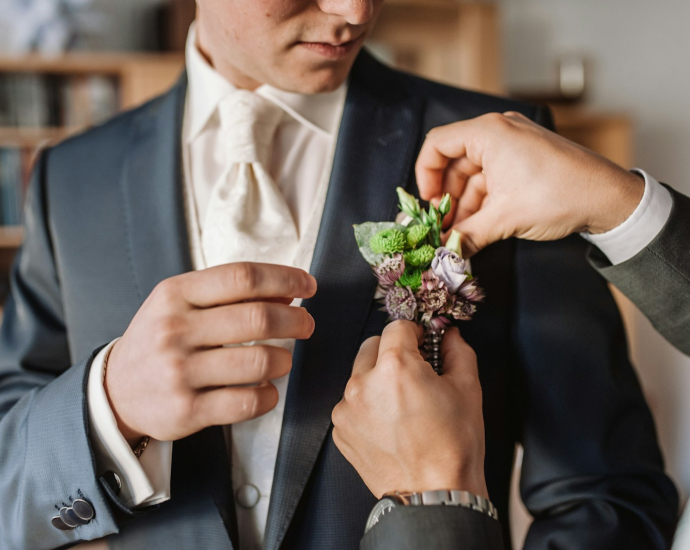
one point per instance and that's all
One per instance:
(138, 78)
(446, 40)
(609, 134)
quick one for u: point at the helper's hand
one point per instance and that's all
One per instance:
(170, 376)
(514, 178)
(403, 427)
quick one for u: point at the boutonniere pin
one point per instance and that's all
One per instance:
(420, 280)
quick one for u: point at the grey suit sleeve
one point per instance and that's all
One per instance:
(437, 527)
(657, 280)
(45, 456)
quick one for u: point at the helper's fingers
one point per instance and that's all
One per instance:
(401, 336)
(442, 145)
(231, 405)
(480, 230)
(234, 366)
(459, 359)
(247, 322)
(367, 356)
(238, 282)
(473, 196)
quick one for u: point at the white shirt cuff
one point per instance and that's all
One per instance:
(145, 480)
(641, 228)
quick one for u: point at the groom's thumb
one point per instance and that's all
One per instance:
(479, 231)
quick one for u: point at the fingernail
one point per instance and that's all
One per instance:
(311, 284)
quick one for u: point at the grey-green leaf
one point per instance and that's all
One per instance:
(363, 234)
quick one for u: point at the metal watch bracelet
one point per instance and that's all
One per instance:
(446, 498)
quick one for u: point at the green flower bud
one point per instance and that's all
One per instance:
(444, 207)
(454, 243)
(421, 257)
(388, 241)
(416, 234)
(408, 204)
(413, 279)
(433, 213)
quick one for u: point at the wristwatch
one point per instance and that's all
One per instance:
(463, 499)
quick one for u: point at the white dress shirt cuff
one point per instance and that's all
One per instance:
(145, 480)
(641, 228)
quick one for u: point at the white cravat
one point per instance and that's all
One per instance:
(247, 218)
(303, 149)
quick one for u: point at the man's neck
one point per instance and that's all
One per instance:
(230, 73)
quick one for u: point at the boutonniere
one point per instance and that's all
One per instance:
(420, 280)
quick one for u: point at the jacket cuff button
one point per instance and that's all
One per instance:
(59, 524)
(83, 510)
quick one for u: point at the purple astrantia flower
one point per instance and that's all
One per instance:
(433, 298)
(401, 304)
(430, 281)
(390, 270)
(450, 268)
(438, 323)
(470, 291)
(463, 311)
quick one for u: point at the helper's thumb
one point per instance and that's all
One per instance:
(479, 231)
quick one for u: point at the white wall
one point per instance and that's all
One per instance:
(640, 63)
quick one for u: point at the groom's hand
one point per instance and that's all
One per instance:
(513, 178)
(170, 376)
(403, 427)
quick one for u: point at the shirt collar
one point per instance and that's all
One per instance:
(207, 88)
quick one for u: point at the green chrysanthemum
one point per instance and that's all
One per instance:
(421, 257)
(411, 278)
(389, 241)
(416, 235)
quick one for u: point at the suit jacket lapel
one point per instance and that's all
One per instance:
(374, 155)
(153, 202)
(152, 192)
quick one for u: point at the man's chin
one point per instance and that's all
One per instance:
(315, 81)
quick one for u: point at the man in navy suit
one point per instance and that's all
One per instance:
(113, 346)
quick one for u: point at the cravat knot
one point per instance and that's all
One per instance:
(249, 122)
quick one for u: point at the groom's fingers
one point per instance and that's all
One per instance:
(243, 281)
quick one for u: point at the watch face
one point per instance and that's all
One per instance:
(383, 507)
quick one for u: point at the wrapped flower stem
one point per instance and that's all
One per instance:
(432, 347)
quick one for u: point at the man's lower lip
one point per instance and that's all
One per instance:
(329, 50)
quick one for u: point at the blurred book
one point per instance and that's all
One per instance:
(173, 19)
(13, 180)
(37, 101)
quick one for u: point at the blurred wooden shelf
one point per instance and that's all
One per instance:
(609, 134)
(34, 137)
(84, 63)
(11, 237)
(141, 76)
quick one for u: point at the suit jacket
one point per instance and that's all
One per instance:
(657, 280)
(105, 223)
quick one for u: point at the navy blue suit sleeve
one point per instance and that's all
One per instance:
(593, 476)
(45, 456)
